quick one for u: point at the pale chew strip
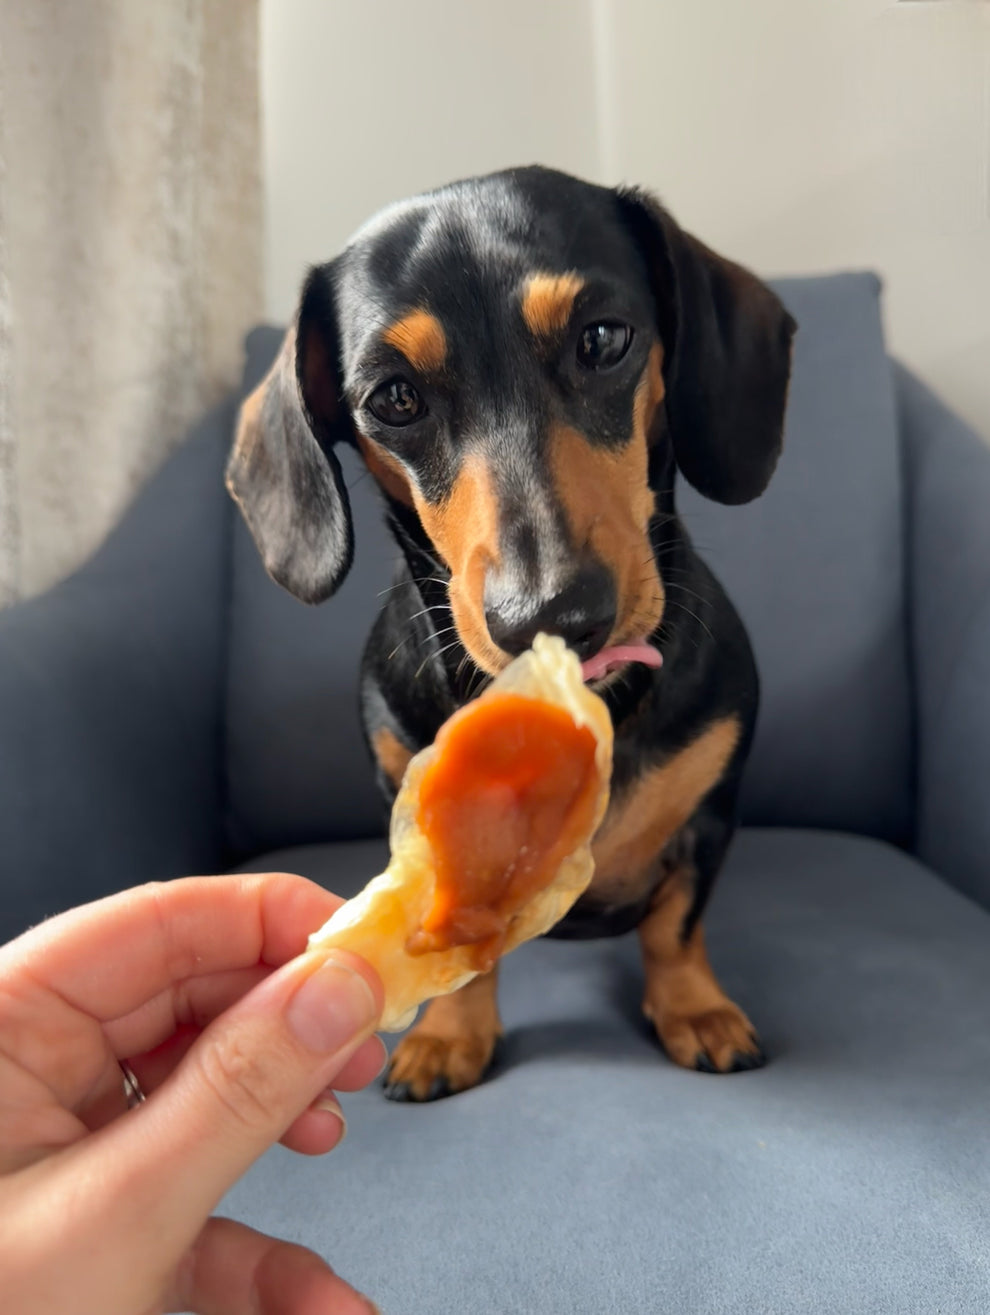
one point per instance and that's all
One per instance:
(377, 923)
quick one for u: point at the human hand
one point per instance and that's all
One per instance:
(236, 1043)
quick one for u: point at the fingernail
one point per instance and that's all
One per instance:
(329, 1104)
(333, 1006)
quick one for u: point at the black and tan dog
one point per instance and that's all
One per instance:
(523, 360)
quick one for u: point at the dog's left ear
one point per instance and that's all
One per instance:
(727, 356)
(282, 471)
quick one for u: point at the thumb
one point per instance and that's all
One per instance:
(253, 1071)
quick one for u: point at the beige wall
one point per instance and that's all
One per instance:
(794, 135)
(801, 135)
(368, 101)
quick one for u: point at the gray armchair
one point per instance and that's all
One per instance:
(169, 710)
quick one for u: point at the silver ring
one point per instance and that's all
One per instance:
(132, 1088)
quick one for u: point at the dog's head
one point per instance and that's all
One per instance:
(520, 360)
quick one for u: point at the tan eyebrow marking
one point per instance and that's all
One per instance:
(419, 336)
(386, 469)
(548, 300)
(392, 755)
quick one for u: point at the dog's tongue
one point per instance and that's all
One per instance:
(610, 658)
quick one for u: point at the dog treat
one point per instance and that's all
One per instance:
(490, 836)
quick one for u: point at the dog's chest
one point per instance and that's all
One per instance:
(649, 811)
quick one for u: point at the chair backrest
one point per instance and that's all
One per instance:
(815, 566)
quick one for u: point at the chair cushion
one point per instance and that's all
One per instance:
(815, 566)
(590, 1174)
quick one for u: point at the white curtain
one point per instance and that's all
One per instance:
(130, 253)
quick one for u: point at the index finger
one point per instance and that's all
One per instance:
(110, 957)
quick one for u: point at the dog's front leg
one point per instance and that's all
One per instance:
(450, 1047)
(697, 1023)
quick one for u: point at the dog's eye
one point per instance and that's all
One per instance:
(603, 345)
(396, 403)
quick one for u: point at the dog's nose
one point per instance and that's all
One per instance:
(583, 613)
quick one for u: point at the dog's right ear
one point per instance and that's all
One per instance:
(282, 472)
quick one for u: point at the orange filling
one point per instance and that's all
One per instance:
(510, 794)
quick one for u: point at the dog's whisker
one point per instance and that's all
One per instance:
(435, 607)
(392, 587)
(401, 644)
(670, 633)
(447, 647)
(426, 641)
(410, 582)
(478, 683)
(671, 602)
(683, 589)
(454, 644)
(422, 666)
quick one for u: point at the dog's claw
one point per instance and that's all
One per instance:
(397, 1091)
(741, 1062)
(744, 1063)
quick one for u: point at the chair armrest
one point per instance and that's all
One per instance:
(948, 482)
(111, 705)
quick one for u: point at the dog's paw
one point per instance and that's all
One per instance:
(718, 1040)
(425, 1067)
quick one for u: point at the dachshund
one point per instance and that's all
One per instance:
(524, 362)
